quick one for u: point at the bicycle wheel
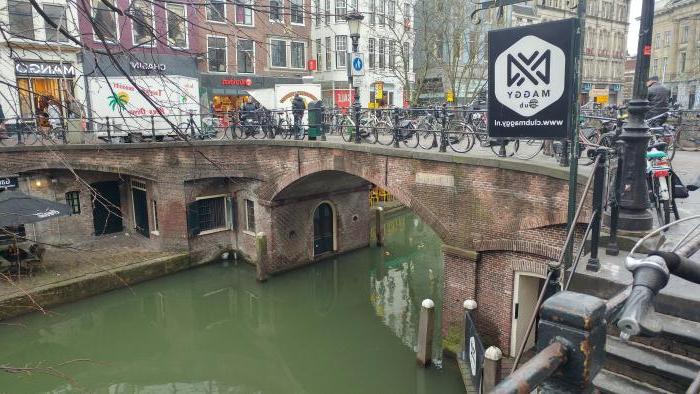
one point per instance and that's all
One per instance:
(347, 130)
(671, 151)
(506, 148)
(385, 134)
(369, 134)
(460, 141)
(257, 132)
(527, 149)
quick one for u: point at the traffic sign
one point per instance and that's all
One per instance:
(357, 81)
(531, 80)
(357, 64)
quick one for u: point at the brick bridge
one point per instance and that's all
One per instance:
(500, 220)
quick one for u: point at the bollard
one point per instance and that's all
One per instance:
(425, 332)
(469, 309)
(153, 128)
(232, 123)
(379, 225)
(109, 131)
(613, 249)
(564, 159)
(324, 124)
(261, 251)
(191, 125)
(64, 138)
(443, 138)
(598, 186)
(492, 368)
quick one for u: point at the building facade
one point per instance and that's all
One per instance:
(247, 48)
(386, 39)
(674, 55)
(628, 88)
(604, 47)
(37, 61)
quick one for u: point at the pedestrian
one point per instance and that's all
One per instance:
(54, 113)
(658, 96)
(298, 108)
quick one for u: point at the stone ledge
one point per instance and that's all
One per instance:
(468, 254)
(87, 285)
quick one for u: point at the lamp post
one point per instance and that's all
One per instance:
(634, 199)
(354, 20)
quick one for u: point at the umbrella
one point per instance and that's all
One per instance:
(18, 208)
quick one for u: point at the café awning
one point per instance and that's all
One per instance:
(17, 208)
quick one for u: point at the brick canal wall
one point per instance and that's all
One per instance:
(496, 217)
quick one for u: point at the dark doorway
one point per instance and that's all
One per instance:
(106, 208)
(323, 229)
(140, 211)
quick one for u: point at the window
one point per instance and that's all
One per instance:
(212, 213)
(407, 11)
(657, 40)
(21, 21)
(57, 14)
(319, 56)
(278, 53)
(216, 11)
(391, 11)
(244, 12)
(216, 54)
(382, 53)
(296, 11)
(249, 216)
(372, 54)
(439, 45)
(684, 33)
(392, 54)
(681, 62)
(354, 7)
(276, 10)
(73, 201)
(406, 55)
(341, 48)
(655, 67)
(372, 12)
(381, 19)
(177, 25)
(245, 56)
(105, 21)
(329, 55)
(298, 55)
(317, 10)
(327, 11)
(142, 22)
(667, 38)
(340, 11)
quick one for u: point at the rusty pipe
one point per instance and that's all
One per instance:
(526, 378)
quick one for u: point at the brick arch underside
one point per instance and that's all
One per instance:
(272, 189)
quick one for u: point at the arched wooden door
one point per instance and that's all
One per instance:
(323, 229)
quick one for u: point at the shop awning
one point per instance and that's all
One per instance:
(266, 97)
(18, 208)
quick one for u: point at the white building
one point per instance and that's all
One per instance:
(386, 39)
(36, 60)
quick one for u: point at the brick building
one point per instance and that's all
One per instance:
(245, 48)
(674, 56)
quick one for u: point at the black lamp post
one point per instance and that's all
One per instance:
(634, 199)
(354, 20)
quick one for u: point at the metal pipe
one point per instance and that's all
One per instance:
(580, 249)
(598, 186)
(535, 371)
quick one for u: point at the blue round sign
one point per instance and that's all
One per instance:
(357, 64)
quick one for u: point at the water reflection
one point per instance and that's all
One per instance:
(215, 329)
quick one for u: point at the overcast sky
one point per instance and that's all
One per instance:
(633, 34)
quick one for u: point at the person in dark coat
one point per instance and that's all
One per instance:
(658, 96)
(298, 108)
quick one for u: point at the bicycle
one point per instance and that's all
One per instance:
(249, 125)
(658, 175)
(346, 128)
(210, 129)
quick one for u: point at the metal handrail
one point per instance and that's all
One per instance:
(536, 370)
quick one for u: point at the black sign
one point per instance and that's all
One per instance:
(42, 69)
(531, 80)
(474, 352)
(9, 182)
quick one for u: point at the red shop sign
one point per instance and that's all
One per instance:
(343, 97)
(312, 65)
(237, 82)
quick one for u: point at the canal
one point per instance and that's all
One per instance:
(344, 325)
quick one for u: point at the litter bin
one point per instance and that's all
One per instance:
(74, 131)
(315, 119)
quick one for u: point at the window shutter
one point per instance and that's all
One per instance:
(193, 218)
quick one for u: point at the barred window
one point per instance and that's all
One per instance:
(73, 201)
(249, 216)
(212, 213)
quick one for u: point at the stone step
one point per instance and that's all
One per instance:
(608, 382)
(650, 365)
(679, 336)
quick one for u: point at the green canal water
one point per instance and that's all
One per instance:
(344, 325)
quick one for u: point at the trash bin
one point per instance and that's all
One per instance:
(315, 119)
(74, 131)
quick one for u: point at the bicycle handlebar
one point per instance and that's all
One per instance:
(651, 274)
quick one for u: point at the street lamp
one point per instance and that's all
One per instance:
(634, 201)
(354, 20)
